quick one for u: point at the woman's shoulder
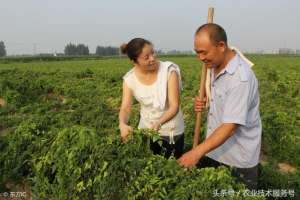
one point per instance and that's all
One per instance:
(129, 79)
(168, 64)
(129, 74)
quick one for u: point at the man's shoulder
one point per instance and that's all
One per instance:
(243, 76)
(244, 72)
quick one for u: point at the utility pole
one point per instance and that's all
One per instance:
(34, 48)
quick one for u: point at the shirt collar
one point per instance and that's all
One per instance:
(231, 67)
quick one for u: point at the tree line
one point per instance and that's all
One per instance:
(77, 50)
(2, 49)
(82, 50)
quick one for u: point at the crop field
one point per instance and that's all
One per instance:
(59, 136)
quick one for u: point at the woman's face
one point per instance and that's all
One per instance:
(147, 59)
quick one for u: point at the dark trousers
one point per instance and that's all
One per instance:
(248, 176)
(168, 149)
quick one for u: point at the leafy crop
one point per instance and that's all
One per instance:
(58, 132)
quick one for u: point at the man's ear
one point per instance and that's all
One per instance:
(222, 46)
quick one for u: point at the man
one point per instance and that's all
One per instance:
(233, 135)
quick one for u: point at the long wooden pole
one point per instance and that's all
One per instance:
(202, 95)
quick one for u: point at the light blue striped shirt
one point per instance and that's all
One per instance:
(235, 99)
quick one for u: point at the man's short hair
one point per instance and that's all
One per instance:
(215, 31)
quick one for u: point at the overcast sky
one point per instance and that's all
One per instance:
(46, 26)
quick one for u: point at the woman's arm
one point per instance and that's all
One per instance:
(173, 100)
(125, 111)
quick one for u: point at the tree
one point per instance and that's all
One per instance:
(70, 49)
(107, 51)
(74, 50)
(2, 49)
(100, 51)
(82, 49)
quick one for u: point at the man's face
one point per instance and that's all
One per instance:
(212, 55)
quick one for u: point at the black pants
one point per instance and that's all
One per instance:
(248, 176)
(168, 149)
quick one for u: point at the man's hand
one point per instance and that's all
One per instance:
(199, 105)
(189, 159)
(125, 131)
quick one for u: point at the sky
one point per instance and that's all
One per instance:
(46, 26)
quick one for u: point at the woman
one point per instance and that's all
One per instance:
(156, 86)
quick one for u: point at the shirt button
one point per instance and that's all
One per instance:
(213, 85)
(211, 100)
(210, 114)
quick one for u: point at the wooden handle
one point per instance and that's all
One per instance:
(210, 16)
(202, 96)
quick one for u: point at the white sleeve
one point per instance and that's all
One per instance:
(129, 80)
(177, 70)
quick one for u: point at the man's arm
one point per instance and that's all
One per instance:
(234, 114)
(216, 139)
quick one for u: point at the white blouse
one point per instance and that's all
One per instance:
(145, 95)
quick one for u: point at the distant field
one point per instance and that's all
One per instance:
(41, 101)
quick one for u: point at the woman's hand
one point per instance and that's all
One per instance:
(199, 105)
(155, 126)
(125, 131)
